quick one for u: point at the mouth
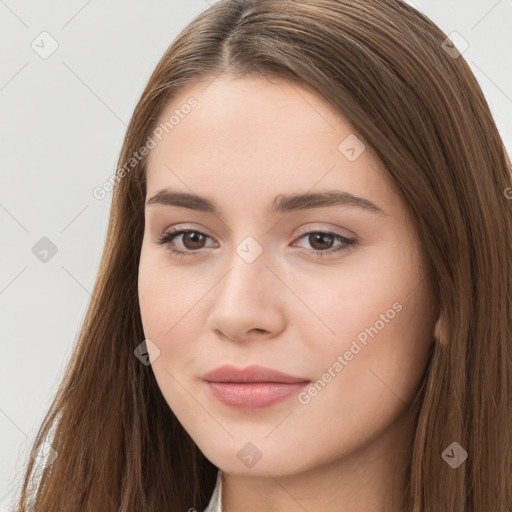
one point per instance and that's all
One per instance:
(254, 387)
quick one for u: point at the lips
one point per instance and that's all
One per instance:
(253, 373)
(253, 387)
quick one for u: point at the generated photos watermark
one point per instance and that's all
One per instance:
(100, 192)
(360, 342)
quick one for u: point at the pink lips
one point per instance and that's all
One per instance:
(253, 387)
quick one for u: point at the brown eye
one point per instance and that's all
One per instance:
(193, 240)
(188, 239)
(321, 241)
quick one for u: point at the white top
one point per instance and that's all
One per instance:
(216, 500)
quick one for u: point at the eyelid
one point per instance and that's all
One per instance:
(302, 231)
(348, 242)
(177, 231)
(335, 230)
(187, 227)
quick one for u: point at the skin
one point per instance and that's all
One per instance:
(247, 141)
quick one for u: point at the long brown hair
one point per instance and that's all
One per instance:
(384, 66)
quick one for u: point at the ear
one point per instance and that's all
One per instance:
(440, 331)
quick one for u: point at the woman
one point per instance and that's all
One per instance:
(304, 301)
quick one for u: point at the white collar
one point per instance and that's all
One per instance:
(215, 504)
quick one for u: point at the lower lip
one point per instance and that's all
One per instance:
(253, 395)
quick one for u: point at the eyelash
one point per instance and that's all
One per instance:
(168, 236)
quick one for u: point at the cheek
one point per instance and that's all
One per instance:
(347, 302)
(169, 321)
(167, 297)
(379, 319)
(172, 306)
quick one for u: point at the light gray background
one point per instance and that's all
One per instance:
(64, 119)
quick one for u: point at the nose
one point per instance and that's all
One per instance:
(248, 302)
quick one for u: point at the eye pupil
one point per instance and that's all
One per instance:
(320, 237)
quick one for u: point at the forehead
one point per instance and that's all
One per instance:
(249, 113)
(253, 138)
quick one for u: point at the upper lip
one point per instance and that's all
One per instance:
(253, 373)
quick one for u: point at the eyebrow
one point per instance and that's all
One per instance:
(281, 204)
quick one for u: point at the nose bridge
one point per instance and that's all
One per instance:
(245, 299)
(248, 271)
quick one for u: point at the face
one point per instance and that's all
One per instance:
(330, 289)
